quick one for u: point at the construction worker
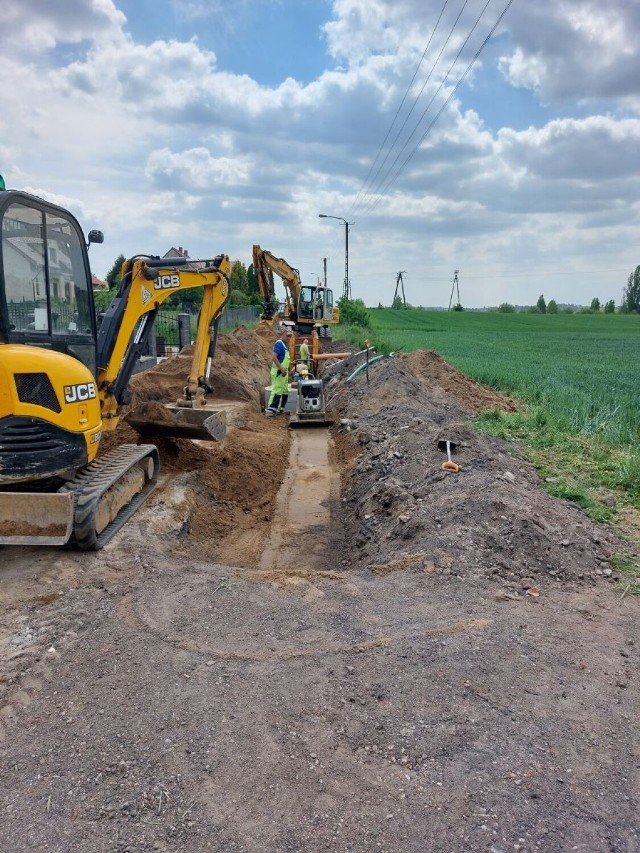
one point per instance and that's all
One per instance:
(279, 375)
(304, 351)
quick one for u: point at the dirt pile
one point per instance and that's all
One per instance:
(492, 519)
(229, 488)
(240, 369)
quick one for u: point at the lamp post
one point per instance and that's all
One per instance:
(347, 284)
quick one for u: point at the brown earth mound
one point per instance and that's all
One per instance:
(491, 519)
(437, 374)
(229, 487)
(240, 369)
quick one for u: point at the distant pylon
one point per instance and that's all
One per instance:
(455, 286)
(399, 283)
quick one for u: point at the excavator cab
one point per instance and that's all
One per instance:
(50, 419)
(315, 306)
(46, 298)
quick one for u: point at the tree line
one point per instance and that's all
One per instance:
(630, 302)
(244, 289)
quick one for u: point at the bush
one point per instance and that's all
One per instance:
(353, 312)
(102, 299)
(506, 308)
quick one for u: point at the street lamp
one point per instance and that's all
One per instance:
(347, 284)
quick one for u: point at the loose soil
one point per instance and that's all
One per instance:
(449, 665)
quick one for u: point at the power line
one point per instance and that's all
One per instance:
(383, 188)
(455, 89)
(404, 97)
(417, 98)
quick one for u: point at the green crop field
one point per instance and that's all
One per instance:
(583, 368)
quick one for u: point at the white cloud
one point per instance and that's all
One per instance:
(34, 26)
(195, 169)
(158, 143)
(577, 49)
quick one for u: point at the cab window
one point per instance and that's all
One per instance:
(46, 283)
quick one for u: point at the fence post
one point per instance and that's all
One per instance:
(184, 330)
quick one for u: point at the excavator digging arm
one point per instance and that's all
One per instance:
(265, 262)
(146, 283)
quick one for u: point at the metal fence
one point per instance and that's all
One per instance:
(235, 317)
(22, 316)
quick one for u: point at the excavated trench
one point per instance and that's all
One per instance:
(303, 506)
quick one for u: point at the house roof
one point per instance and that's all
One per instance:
(98, 283)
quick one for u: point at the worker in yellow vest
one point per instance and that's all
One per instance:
(304, 352)
(279, 375)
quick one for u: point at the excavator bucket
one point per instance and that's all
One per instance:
(157, 421)
(35, 519)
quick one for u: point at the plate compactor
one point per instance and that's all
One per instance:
(309, 404)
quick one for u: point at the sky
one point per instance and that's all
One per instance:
(499, 139)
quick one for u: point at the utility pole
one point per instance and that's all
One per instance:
(399, 283)
(347, 284)
(455, 286)
(324, 262)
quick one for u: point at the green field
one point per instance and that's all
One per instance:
(582, 368)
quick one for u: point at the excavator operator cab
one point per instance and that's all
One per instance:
(315, 303)
(46, 298)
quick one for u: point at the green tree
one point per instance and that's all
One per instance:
(102, 299)
(239, 279)
(631, 297)
(113, 276)
(552, 307)
(595, 304)
(397, 302)
(252, 286)
(506, 308)
(610, 307)
(353, 312)
(541, 304)
(239, 282)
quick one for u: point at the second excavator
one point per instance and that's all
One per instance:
(305, 307)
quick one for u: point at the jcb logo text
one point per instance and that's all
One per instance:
(79, 393)
(163, 282)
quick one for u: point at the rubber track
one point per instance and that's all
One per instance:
(91, 482)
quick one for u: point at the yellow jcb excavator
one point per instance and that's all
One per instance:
(305, 308)
(63, 382)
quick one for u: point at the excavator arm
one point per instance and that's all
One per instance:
(263, 262)
(145, 284)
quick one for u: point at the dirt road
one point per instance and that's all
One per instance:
(447, 665)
